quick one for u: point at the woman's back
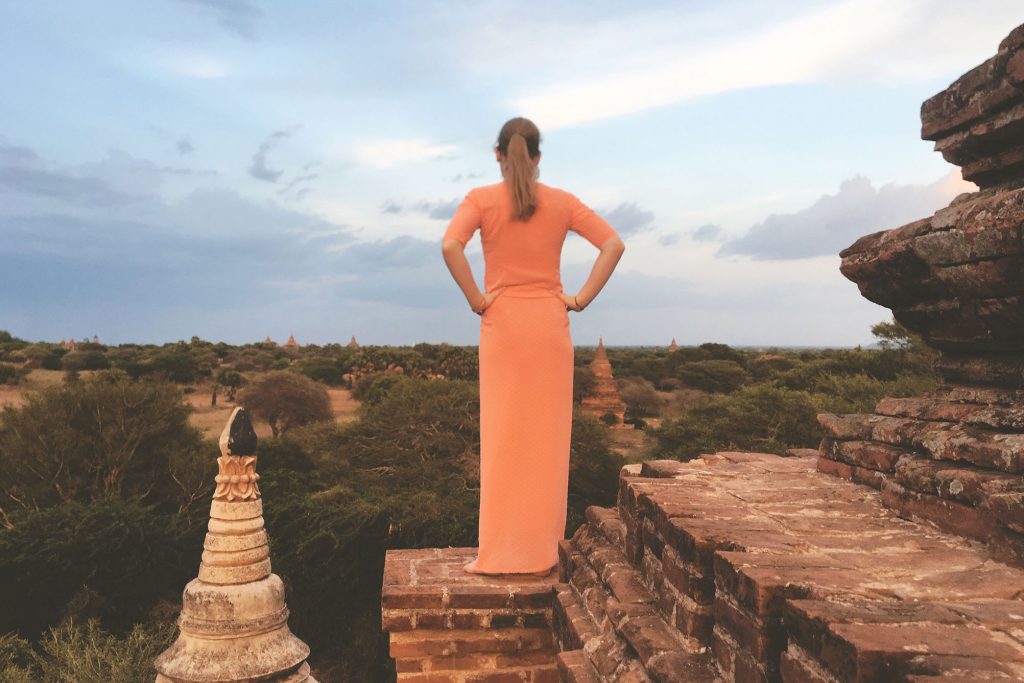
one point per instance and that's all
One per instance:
(525, 252)
(527, 358)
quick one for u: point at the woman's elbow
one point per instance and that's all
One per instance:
(614, 245)
(450, 245)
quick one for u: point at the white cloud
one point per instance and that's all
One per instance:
(388, 153)
(833, 222)
(882, 40)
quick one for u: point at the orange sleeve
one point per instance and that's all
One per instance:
(585, 222)
(466, 220)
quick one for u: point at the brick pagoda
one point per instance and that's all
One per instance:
(604, 398)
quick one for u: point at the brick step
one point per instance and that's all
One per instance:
(982, 638)
(427, 589)
(610, 611)
(955, 464)
(449, 626)
(457, 642)
(572, 625)
(548, 673)
(574, 667)
(756, 535)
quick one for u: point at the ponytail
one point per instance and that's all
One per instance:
(519, 141)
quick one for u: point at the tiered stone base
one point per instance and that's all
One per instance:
(735, 567)
(450, 626)
(953, 459)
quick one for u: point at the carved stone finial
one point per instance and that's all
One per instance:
(238, 437)
(236, 476)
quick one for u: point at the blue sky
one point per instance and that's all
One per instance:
(240, 168)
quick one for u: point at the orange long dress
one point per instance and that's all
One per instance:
(526, 373)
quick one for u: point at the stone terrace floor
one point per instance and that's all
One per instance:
(787, 573)
(816, 580)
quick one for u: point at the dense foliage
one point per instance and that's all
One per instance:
(773, 405)
(99, 437)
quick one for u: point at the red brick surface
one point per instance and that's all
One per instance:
(447, 624)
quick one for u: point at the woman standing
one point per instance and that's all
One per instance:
(526, 351)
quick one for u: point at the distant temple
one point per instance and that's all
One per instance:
(291, 343)
(673, 346)
(353, 344)
(270, 341)
(70, 344)
(605, 396)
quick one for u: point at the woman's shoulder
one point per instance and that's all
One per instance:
(486, 193)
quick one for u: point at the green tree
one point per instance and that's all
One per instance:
(320, 369)
(583, 382)
(232, 380)
(110, 559)
(640, 397)
(759, 417)
(893, 335)
(285, 399)
(719, 376)
(105, 435)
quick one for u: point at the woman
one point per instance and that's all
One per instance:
(526, 352)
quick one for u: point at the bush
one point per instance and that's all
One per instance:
(72, 653)
(85, 360)
(640, 397)
(111, 560)
(593, 469)
(669, 384)
(760, 417)
(8, 374)
(376, 391)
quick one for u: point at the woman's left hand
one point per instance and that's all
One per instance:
(488, 298)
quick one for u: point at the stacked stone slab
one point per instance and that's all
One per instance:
(751, 567)
(449, 626)
(955, 457)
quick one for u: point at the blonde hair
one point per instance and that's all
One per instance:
(519, 143)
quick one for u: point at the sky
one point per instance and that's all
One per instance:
(237, 169)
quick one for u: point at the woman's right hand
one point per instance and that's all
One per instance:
(570, 302)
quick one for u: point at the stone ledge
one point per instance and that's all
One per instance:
(451, 626)
(776, 535)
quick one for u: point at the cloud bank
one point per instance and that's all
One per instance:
(834, 222)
